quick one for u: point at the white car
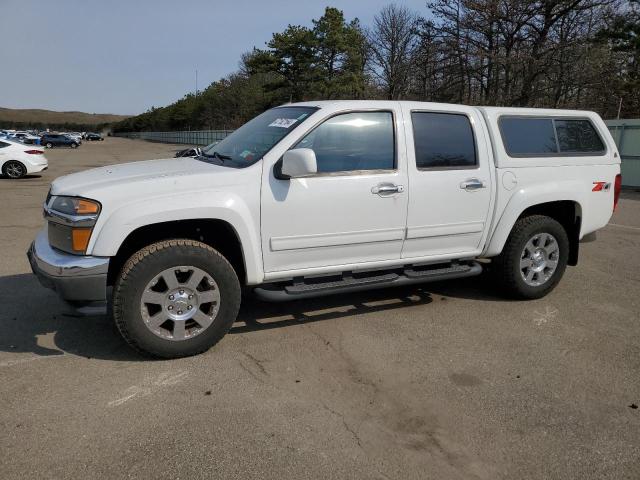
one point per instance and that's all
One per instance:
(327, 197)
(18, 160)
(74, 136)
(29, 139)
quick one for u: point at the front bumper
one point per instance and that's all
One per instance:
(74, 278)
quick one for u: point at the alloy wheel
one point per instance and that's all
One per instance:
(14, 170)
(180, 303)
(539, 259)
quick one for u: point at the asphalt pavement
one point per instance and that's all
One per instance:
(441, 381)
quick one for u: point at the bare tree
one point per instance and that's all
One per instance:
(513, 52)
(392, 41)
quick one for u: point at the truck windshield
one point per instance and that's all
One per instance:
(250, 142)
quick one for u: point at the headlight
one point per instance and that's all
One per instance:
(71, 221)
(75, 206)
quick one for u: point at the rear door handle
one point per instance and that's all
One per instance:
(385, 189)
(472, 184)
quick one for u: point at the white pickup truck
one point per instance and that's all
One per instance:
(326, 197)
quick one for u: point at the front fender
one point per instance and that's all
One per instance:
(114, 226)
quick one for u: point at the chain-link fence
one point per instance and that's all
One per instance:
(194, 137)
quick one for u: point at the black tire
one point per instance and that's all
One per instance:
(148, 262)
(14, 169)
(49, 145)
(505, 268)
(74, 145)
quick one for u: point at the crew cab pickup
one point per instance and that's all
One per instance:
(325, 197)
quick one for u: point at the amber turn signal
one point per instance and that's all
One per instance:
(86, 207)
(80, 239)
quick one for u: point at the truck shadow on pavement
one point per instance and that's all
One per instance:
(259, 315)
(33, 319)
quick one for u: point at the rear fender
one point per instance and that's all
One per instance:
(527, 197)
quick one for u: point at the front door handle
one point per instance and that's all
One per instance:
(385, 189)
(472, 184)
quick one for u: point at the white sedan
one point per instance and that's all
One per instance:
(18, 160)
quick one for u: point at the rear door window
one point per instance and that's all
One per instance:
(443, 140)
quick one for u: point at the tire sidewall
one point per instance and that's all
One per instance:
(550, 226)
(6, 167)
(130, 287)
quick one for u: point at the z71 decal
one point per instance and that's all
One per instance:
(601, 186)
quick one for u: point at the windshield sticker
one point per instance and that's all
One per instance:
(283, 122)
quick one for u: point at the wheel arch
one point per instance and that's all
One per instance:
(567, 212)
(217, 233)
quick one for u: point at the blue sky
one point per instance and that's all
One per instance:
(126, 56)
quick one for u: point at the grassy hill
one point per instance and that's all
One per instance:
(24, 117)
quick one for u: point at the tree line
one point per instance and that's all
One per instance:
(582, 54)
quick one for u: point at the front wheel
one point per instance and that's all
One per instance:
(74, 145)
(175, 298)
(533, 259)
(49, 145)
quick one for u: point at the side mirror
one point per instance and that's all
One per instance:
(299, 162)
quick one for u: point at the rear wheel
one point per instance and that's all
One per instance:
(49, 145)
(14, 169)
(175, 298)
(74, 145)
(533, 259)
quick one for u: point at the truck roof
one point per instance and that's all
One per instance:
(435, 105)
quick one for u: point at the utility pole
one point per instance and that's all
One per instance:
(196, 83)
(619, 108)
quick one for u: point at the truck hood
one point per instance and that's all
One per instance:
(144, 178)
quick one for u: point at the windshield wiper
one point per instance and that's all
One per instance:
(217, 155)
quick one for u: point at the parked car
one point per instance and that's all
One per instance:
(74, 136)
(93, 137)
(189, 152)
(328, 197)
(51, 140)
(17, 160)
(17, 136)
(30, 139)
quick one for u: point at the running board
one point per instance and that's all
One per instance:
(444, 272)
(308, 288)
(300, 287)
